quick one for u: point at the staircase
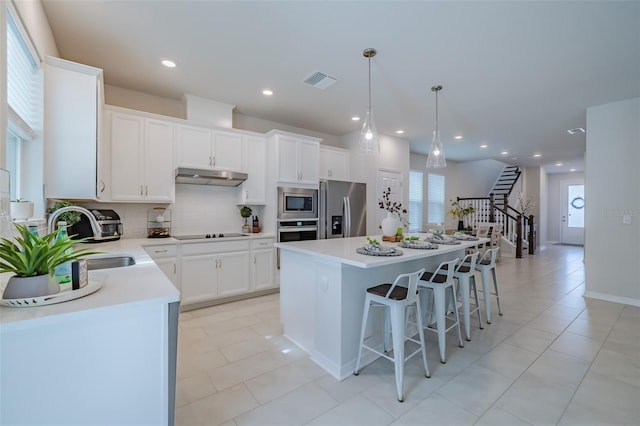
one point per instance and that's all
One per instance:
(504, 185)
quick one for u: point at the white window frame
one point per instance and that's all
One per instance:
(416, 196)
(436, 195)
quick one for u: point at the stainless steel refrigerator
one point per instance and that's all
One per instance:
(343, 209)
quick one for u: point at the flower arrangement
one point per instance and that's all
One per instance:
(524, 205)
(392, 207)
(460, 212)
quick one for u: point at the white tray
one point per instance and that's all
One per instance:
(63, 296)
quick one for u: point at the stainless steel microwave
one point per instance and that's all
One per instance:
(297, 203)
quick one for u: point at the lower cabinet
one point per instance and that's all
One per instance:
(206, 271)
(166, 257)
(214, 270)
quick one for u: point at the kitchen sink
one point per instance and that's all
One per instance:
(110, 262)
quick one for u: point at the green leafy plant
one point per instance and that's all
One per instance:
(245, 211)
(412, 238)
(29, 255)
(70, 217)
(373, 242)
(458, 211)
(393, 207)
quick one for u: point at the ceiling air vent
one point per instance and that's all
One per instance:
(576, 130)
(320, 80)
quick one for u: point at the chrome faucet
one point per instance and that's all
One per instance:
(95, 227)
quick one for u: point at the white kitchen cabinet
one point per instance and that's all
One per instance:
(205, 148)
(76, 156)
(262, 268)
(141, 158)
(214, 270)
(254, 189)
(334, 163)
(166, 258)
(297, 159)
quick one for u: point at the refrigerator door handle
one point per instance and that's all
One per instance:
(347, 218)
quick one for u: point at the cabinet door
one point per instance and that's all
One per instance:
(262, 269)
(337, 164)
(159, 180)
(199, 277)
(287, 149)
(71, 129)
(227, 151)
(194, 147)
(126, 157)
(169, 267)
(234, 273)
(254, 189)
(308, 162)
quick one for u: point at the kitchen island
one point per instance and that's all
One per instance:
(322, 291)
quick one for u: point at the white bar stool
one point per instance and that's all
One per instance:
(465, 272)
(440, 283)
(487, 265)
(395, 299)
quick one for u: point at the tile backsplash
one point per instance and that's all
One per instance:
(197, 209)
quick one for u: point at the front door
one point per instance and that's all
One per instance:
(573, 206)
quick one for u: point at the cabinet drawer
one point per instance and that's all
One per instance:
(204, 248)
(262, 243)
(167, 250)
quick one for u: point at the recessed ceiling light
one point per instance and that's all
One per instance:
(168, 63)
(505, 153)
(483, 146)
(573, 170)
(576, 130)
(355, 118)
(399, 132)
(537, 155)
(458, 137)
(267, 92)
(558, 164)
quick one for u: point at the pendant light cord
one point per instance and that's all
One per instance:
(437, 110)
(369, 82)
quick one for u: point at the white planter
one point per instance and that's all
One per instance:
(22, 210)
(25, 287)
(390, 224)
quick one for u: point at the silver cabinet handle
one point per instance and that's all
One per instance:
(160, 251)
(214, 160)
(103, 186)
(146, 190)
(141, 193)
(254, 260)
(175, 271)
(210, 161)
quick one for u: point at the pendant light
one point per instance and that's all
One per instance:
(436, 158)
(369, 143)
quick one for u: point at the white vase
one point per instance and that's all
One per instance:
(390, 224)
(21, 210)
(25, 287)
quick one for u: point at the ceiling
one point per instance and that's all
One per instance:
(516, 75)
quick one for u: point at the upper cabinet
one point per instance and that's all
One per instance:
(76, 158)
(201, 147)
(297, 159)
(334, 163)
(141, 158)
(254, 189)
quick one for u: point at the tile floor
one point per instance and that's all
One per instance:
(555, 357)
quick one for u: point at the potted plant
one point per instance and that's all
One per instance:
(32, 259)
(70, 217)
(396, 215)
(21, 209)
(459, 212)
(245, 212)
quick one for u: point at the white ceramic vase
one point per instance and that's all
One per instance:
(21, 210)
(390, 224)
(25, 287)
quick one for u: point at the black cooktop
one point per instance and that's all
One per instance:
(209, 236)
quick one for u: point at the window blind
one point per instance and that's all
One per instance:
(21, 80)
(435, 196)
(415, 201)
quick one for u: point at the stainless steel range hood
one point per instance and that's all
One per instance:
(209, 177)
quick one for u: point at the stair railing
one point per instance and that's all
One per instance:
(514, 223)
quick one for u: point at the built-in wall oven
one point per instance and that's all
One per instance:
(297, 215)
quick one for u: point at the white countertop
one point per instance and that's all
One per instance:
(143, 282)
(343, 250)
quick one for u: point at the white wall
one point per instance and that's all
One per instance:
(140, 101)
(394, 155)
(612, 251)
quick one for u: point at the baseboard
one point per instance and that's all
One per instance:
(612, 298)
